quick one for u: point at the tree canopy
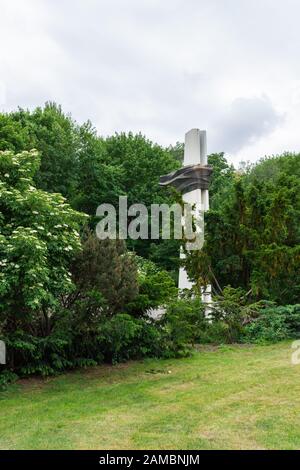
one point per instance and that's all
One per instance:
(252, 228)
(252, 233)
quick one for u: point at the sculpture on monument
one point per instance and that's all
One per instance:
(188, 178)
(192, 180)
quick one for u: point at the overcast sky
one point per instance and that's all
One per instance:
(161, 67)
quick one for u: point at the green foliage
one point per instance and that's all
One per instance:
(177, 151)
(252, 233)
(65, 304)
(104, 266)
(38, 355)
(90, 170)
(252, 229)
(274, 324)
(14, 135)
(140, 163)
(98, 179)
(156, 288)
(61, 301)
(221, 181)
(124, 337)
(38, 239)
(56, 137)
(6, 377)
(187, 324)
(230, 312)
(232, 319)
(183, 321)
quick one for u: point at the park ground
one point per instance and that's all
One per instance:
(237, 397)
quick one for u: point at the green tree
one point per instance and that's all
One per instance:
(98, 180)
(156, 288)
(222, 179)
(252, 236)
(103, 267)
(89, 170)
(38, 239)
(54, 135)
(14, 135)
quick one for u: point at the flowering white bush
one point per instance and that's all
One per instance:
(38, 236)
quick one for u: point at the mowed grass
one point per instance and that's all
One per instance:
(225, 398)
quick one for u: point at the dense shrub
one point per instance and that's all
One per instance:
(104, 267)
(6, 378)
(38, 239)
(188, 324)
(37, 355)
(124, 337)
(274, 324)
(62, 301)
(183, 322)
(115, 339)
(231, 320)
(156, 288)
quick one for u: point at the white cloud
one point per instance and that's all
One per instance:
(244, 122)
(160, 67)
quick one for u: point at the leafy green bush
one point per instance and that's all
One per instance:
(182, 323)
(227, 314)
(124, 337)
(274, 324)
(156, 288)
(231, 319)
(6, 377)
(187, 325)
(28, 354)
(38, 239)
(107, 268)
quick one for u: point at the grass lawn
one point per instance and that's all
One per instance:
(229, 398)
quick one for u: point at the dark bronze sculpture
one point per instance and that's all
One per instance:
(188, 178)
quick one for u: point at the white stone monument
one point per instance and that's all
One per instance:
(195, 153)
(193, 180)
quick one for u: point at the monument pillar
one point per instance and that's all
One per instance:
(193, 181)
